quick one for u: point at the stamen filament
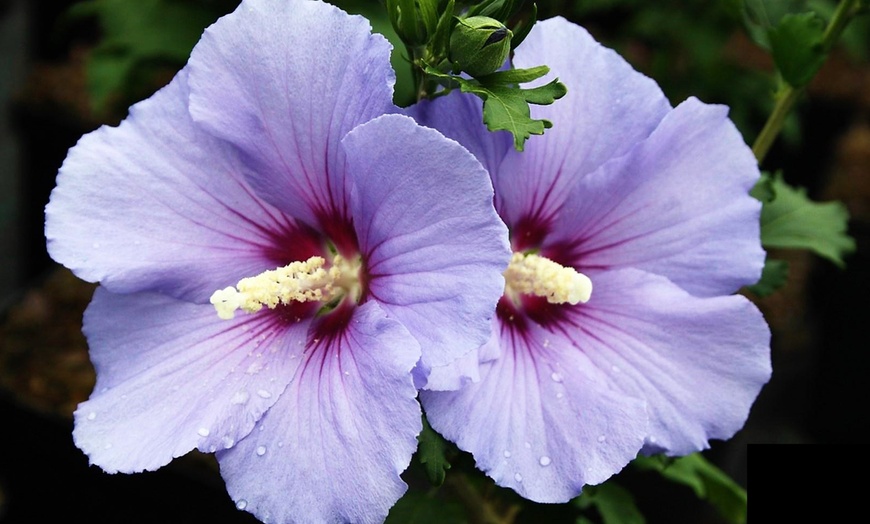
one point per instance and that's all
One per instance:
(540, 276)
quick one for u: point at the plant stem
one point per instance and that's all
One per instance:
(788, 95)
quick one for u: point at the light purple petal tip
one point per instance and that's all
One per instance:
(543, 420)
(333, 447)
(608, 109)
(678, 205)
(284, 81)
(172, 376)
(157, 205)
(435, 248)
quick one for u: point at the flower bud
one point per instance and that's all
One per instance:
(479, 45)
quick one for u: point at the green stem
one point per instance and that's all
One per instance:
(788, 95)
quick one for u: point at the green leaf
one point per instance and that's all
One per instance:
(506, 107)
(773, 276)
(614, 503)
(136, 33)
(514, 76)
(792, 220)
(706, 480)
(430, 453)
(521, 31)
(763, 190)
(796, 45)
(760, 16)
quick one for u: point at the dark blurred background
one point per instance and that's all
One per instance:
(65, 70)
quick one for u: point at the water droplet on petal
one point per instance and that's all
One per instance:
(652, 439)
(559, 395)
(615, 369)
(108, 446)
(227, 441)
(239, 398)
(202, 432)
(96, 245)
(92, 415)
(242, 504)
(601, 438)
(556, 377)
(518, 477)
(528, 445)
(507, 454)
(264, 394)
(545, 461)
(261, 450)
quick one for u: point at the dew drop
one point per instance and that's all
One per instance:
(528, 445)
(92, 415)
(107, 446)
(556, 377)
(652, 439)
(96, 245)
(601, 438)
(280, 443)
(546, 342)
(544, 461)
(227, 441)
(242, 504)
(347, 373)
(518, 477)
(202, 432)
(264, 394)
(615, 369)
(261, 450)
(240, 397)
(559, 395)
(507, 454)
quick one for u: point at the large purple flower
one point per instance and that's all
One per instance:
(274, 148)
(646, 204)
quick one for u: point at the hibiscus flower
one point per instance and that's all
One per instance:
(618, 332)
(347, 251)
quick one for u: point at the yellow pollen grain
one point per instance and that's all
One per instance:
(540, 276)
(301, 281)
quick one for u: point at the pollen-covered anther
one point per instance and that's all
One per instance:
(536, 275)
(302, 281)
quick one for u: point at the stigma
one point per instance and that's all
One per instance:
(536, 275)
(301, 281)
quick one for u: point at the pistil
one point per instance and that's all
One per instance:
(536, 275)
(301, 281)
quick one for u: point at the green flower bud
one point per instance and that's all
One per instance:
(479, 45)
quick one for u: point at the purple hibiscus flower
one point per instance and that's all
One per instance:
(275, 147)
(644, 206)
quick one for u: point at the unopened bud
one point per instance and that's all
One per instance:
(479, 45)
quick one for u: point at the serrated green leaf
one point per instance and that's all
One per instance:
(706, 480)
(506, 107)
(431, 455)
(792, 220)
(614, 503)
(545, 94)
(773, 276)
(796, 46)
(514, 76)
